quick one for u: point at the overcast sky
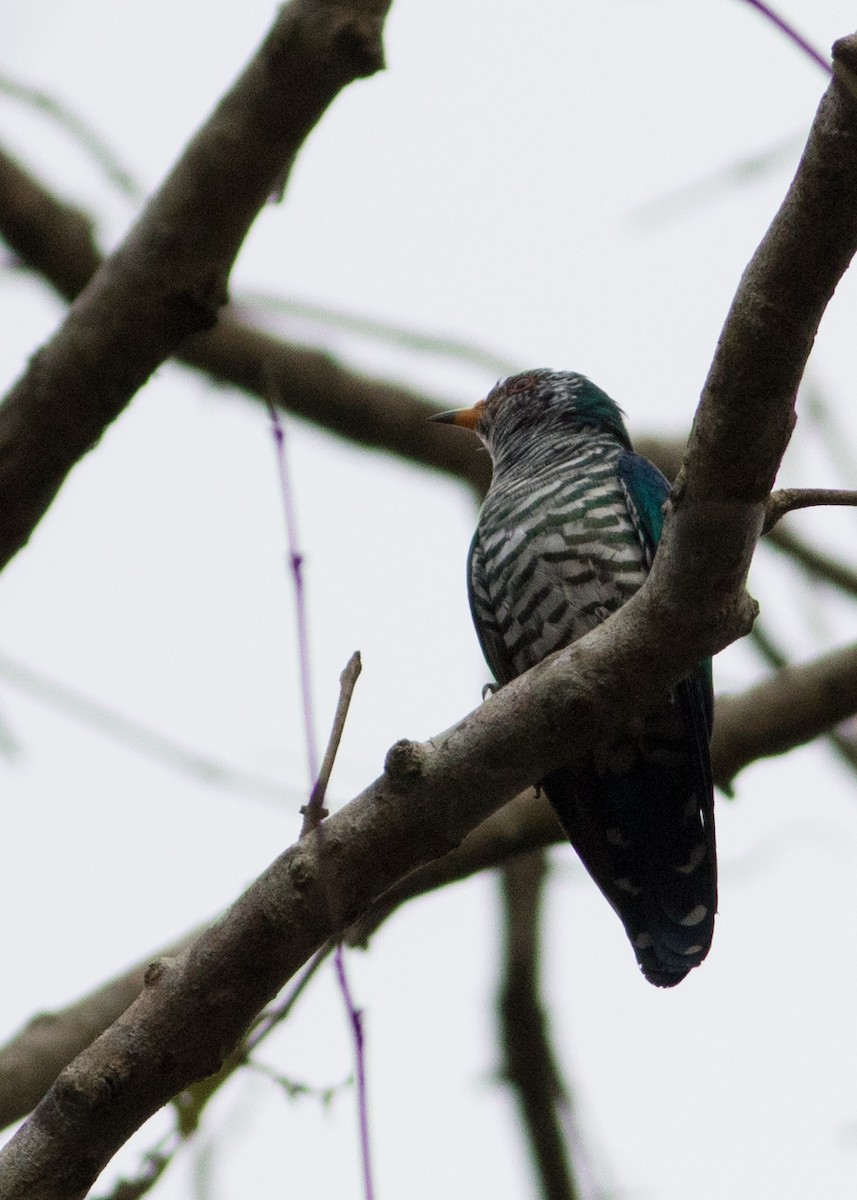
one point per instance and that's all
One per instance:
(519, 177)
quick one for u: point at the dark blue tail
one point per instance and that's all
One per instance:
(641, 816)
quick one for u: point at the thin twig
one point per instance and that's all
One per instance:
(139, 737)
(356, 1017)
(315, 812)
(813, 561)
(706, 188)
(82, 132)
(271, 1017)
(788, 499)
(790, 32)
(296, 562)
(384, 331)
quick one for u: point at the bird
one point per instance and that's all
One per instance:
(567, 533)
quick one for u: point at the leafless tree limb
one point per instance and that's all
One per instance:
(789, 499)
(529, 1065)
(844, 744)
(168, 279)
(791, 708)
(814, 561)
(55, 240)
(794, 706)
(32, 1059)
(315, 812)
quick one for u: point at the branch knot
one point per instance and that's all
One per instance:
(405, 761)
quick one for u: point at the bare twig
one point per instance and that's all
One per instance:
(138, 736)
(789, 30)
(55, 239)
(384, 331)
(79, 129)
(355, 1016)
(813, 561)
(296, 564)
(529, 1065)
(315, 812)
(781, 502)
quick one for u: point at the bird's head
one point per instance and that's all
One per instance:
(533, 404)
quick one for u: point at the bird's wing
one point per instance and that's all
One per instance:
(646, 491)
(484, 617)
(649, 867)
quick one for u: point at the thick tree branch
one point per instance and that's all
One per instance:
(32, 1059)
(717, 507)
(195, 1008)
(168, 278)
(55, 239)
(794, 706)
(529, 1067)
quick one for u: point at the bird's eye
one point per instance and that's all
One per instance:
(521, 383)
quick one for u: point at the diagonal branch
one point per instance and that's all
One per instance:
(814, 561)
(55, 239)
(790, 709)
(168, 278)
(804, 700)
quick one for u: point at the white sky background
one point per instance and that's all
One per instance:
(484, 186)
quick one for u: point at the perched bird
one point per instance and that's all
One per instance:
(567, 533)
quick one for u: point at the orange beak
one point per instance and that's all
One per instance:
(467, 418)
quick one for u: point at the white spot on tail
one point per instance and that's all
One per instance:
(696, 915)
(643, 941)
(697, 854)
(625, 885)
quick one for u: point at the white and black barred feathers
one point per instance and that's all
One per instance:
(567, 533)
